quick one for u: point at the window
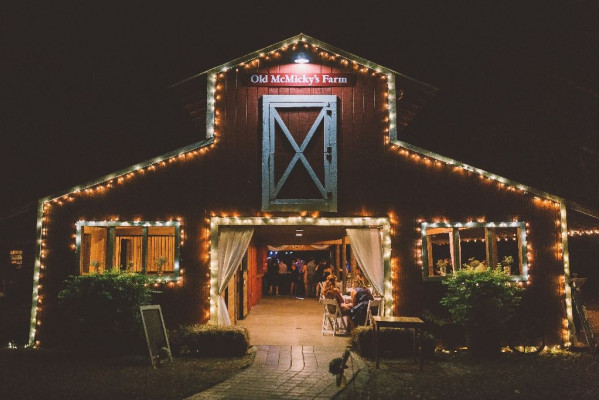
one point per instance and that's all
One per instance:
(440, 257)
(509, 249)
(447, 247)
(146, 247)
(472, 245)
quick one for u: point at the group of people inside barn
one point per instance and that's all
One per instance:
(315, 278)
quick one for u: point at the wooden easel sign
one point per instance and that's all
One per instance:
(156, 337)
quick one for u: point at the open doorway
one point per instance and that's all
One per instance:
(289, 235)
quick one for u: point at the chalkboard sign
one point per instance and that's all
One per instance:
(158, 346)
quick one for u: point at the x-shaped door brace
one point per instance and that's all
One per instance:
(299, 151)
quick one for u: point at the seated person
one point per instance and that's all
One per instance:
(331, 291)
(360, 297)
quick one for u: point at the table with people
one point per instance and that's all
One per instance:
(356, 307)
(316, 278)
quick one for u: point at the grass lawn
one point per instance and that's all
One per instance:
(561, 375)
(39, 374)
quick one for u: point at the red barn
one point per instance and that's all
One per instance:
(300, 144)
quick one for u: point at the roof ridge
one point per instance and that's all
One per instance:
(302, 37)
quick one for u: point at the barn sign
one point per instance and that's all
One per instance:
(292, 79)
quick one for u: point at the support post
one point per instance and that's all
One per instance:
(144, 249)
(491, 246)
(343, 262)
(337, 259)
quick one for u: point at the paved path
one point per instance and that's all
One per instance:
(284, 372)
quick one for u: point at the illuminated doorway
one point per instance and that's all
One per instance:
(279, 224)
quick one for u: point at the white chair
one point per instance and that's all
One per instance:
(320, 289)
(372, 304)
(332, 320)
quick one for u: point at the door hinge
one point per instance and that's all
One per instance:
(329, 153)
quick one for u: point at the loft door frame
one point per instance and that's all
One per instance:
(270, 120)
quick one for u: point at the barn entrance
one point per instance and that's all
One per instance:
(238, 291)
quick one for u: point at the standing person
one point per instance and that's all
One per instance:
(324, 272)
(265, 282)
(305, 287)
(281, 277)
(301, 268)
(317, 278)
(310, 274)
(272, 273)
(294, 278)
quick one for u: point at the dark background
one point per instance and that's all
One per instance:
(83, 88)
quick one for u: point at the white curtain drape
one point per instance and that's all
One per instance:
(367, 246)
(233, 242)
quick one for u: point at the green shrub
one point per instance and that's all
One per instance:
(481, 298)
(209, 340)
(101, 312)
(393, 342)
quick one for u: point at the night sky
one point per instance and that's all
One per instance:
(84, 88)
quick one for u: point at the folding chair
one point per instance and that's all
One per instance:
(320, 289)
(332, 320)
(372, 304)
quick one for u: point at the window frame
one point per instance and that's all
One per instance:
(455, 247)
(111, 244)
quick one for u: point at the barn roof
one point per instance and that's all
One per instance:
(315, 42)
(414, 96)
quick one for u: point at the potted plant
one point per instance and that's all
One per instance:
(482, 300)
(442, 266)
(160, 262)
(95, 264)
(506, 264)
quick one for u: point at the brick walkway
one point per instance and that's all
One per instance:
(284, 372)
